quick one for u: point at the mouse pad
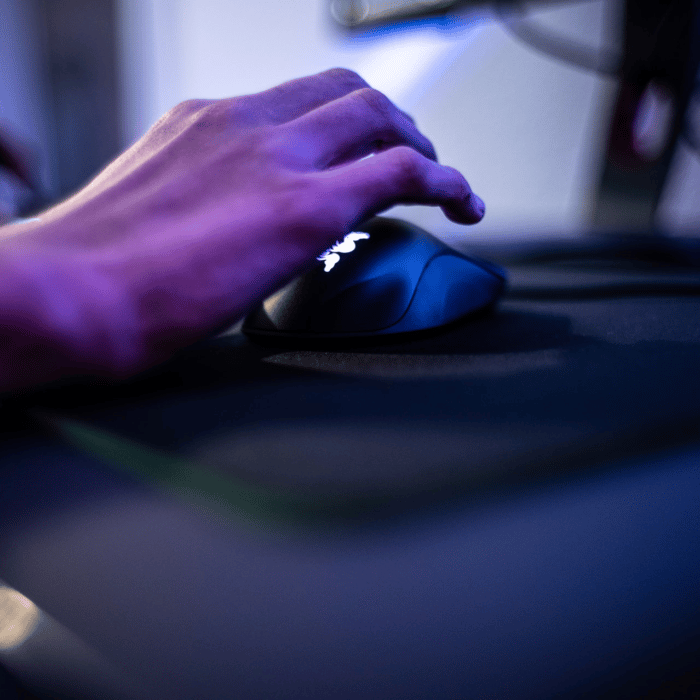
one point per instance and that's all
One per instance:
(535, 388)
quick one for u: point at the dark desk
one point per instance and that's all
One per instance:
(507, 508)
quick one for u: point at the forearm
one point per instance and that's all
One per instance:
(54, 319)
(113, 309)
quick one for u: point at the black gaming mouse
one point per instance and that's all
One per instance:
(388, 276)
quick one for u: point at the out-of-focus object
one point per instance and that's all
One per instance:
(657, 80)
(20, 190)
(71, 46)
(16, 157)
(80, 55)
(18, 618)
(365, 14)
(49, 659)
(657, 67)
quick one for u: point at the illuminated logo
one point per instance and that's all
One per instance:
(347, 245)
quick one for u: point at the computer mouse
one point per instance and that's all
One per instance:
(387, 276)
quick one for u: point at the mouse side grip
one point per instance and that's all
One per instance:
(449, 288)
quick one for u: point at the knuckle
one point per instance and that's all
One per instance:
(377, 101)
(238, 110)
(221, 114)
(408, 168)
(179, 116)
(216, 111)
(185, 114)
(345, 76)
(191, 106)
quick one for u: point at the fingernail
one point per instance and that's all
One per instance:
(478, 204)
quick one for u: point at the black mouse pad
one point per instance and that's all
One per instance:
(535, 388)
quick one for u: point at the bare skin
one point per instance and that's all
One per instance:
(220, 203)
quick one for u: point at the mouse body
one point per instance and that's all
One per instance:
(387, 276)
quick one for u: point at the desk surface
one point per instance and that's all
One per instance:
(506, 508)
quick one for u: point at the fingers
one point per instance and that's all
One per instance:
(403, 176)
(295, 98)
(361, 122)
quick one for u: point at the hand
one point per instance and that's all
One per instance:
(222, 202)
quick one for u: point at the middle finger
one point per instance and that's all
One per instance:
(362, 122)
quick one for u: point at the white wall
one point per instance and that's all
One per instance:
(525, 129)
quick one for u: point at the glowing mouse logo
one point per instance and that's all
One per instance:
(347, 245)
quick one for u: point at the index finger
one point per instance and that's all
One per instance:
(401, 175)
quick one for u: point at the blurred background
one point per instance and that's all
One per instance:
(80, 80)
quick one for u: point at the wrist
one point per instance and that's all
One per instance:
(59, 318)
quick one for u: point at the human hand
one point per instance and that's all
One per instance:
(222, 202)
